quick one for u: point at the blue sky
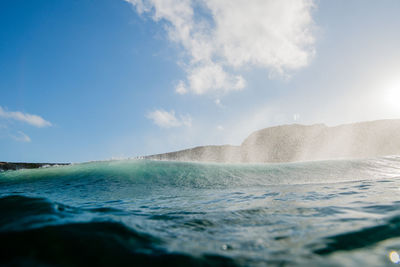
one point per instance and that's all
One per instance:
(92, 80)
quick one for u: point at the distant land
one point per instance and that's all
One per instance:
(295, 142)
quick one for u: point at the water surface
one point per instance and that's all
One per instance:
(333, 213)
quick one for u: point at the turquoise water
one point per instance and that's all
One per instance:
(334, 213)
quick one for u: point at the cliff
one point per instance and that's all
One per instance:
(297, 142)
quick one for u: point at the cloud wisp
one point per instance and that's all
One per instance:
(167, 119)
(21, 137)
(221, 38)
(31, 119)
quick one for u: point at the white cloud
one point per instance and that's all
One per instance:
(165, 119)
(21, 137)
(222, 37)
(212, 77)
(31, 119)
(180, 88)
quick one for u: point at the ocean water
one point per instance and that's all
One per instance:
(149, 213)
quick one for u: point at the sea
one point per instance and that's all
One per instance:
(160, 213)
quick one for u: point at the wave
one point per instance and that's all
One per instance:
(201, 175)
(98, 243)
(365, 237)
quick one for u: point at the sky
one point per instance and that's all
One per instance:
(108, 79)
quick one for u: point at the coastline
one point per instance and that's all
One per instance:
(6, 166)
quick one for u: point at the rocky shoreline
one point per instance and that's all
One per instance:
(6, 166)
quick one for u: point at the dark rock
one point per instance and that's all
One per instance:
(5, 166)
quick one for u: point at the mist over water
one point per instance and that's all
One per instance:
(342, 212)
(299, 143)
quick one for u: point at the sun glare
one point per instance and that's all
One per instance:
(394, 257)
(392, 96)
